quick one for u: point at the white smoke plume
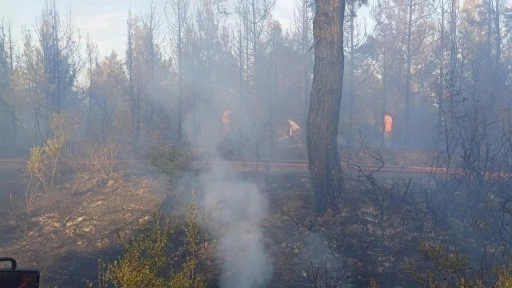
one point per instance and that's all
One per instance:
(234, 212)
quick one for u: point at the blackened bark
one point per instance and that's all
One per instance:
(324, 109)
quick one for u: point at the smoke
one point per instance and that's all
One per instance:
(234, 209)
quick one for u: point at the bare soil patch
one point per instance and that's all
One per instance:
(68, 229)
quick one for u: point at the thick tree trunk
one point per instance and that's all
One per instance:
(324, 110)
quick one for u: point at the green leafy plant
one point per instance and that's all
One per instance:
(43, 162)
(188, 276)
(503, 277)
(446, 268)
(374, 283)
(146, 259)
(37, 168)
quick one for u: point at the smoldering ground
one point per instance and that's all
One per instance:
(234, 209)
(234, 213)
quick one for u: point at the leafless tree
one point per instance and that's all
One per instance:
(60, 52)
(8, 118)
(92, 62)
(178, 20)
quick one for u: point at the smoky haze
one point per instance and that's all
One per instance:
(425, 135)
(234, 209)
(234, 214)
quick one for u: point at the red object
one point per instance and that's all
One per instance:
(226, 118)
(388, 123)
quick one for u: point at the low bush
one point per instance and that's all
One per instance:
(101, 157)
(442, 268)
(147, 261)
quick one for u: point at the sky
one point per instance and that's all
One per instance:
(103, 20)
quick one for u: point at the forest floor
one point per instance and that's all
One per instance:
(64, 233)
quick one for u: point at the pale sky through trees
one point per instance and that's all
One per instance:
(103, 20)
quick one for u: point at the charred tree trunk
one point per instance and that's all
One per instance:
(324, 110)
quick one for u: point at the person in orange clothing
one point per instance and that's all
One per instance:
(294, 132)
(388, 126)
(226, 121)
(294, 128)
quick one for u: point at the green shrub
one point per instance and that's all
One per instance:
(189, 277)
(504, 277)
(446, 269)
(42, 164)
(452, 270)
(146, 260)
